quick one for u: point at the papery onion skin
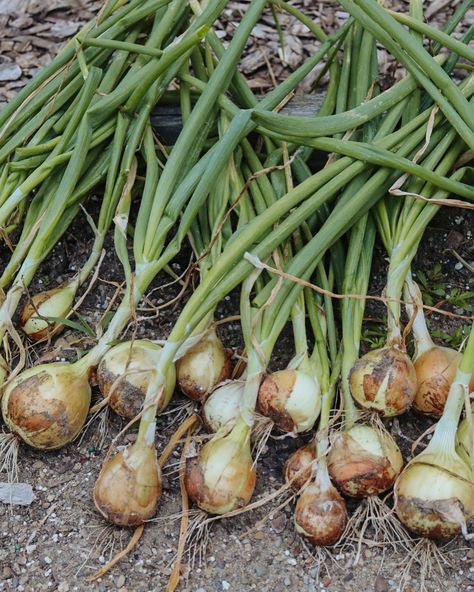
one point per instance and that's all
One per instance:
(384, 380)
(221, 478)
(364, 461)
(320, 514)
(47, 405)
(435, 371)
(300, 463)
(291, 399)
(426, 495)
(203, 367)
(128, 489)
(3, 372)
(56, 302)
(222, 407)
(129, 392)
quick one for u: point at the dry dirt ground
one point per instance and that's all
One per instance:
(60, 540)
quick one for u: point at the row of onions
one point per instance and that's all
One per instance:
(297, 244)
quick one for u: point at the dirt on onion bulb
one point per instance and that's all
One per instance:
(364, 460)
(222, 407)
(56, 302)
(384, 380)
(125, 372)
(128, 489)
(221, 477)
(203, 366)
(299, 466)
(435, 495)
(291, 399)
(47, 405)
(320, 513)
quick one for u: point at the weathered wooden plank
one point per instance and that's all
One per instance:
(166, 119)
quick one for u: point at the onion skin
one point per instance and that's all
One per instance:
(429, 498)
(56, 302)
(320, 514)
(203, 367)
(222, 407)
(128, 394)
(47, 405)
(221, 478)
(128, 489)
(384, 380)
(435, 371)
(364, 461)
(301, 461)
(291, 399)
(3, 372)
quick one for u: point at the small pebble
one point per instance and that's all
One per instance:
(381, 584)
(120, 581)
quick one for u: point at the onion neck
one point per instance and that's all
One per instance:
(255, 371)
(445, 433)
(414, 306)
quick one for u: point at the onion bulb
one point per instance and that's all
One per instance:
(364, 460)
(435, 371)
(128, 368)
(435, 494)
(47, 405)
(128, 488)
(320, 513)
(384, 380)
(291, 399)
(221, 477)
(203, 366)
(300, 463)
(222, 407)
(56, 302)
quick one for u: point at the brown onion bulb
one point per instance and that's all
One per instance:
(222, 476)
(435, 370)
(56, 302)
(320, 513)
(128, 368)
(435, 496)
(47, 405)
(364, 461)
(291, 399)
(128, 489)
(203, 366)
(384, 380)
(300, 463)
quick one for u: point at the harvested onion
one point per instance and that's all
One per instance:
(221, 477)
(128, 488)
(128, 368)
(384, 380)
(203, 366)
(47, 405)
(320, 513)
(56, 302)
(364, 460)
(291, 399)
(299, 466)
(222, 407)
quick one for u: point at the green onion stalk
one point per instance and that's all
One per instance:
(435, 492)
(231, 269)
(385, 379)
(147, 267)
